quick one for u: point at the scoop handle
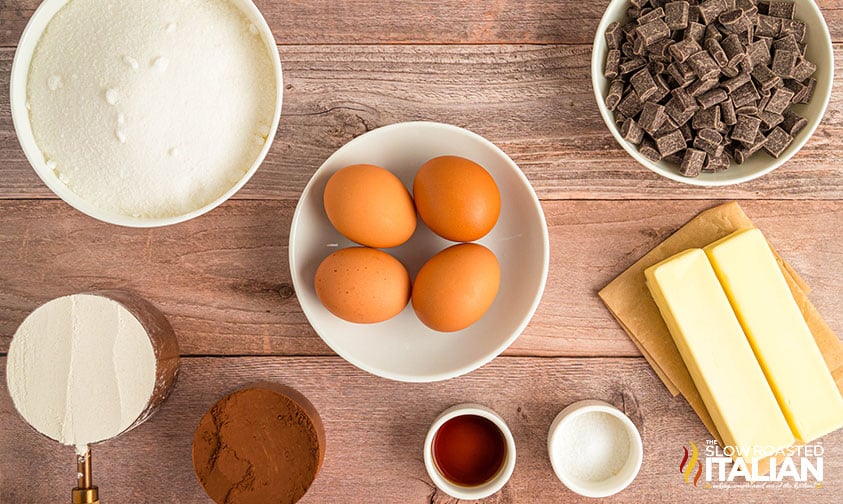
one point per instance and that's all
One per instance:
(85, 492)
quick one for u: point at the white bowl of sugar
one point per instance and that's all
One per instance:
(595, 450)
(147, 113)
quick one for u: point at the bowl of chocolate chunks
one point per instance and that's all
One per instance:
(712, 92)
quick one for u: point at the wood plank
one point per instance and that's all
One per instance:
(223, 279)
(418, 21)
(535, 102)
(375, 432)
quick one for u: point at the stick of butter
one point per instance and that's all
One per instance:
(717, 354)
(778, 333)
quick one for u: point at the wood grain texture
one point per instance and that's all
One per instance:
(535, 102)
(222, 278)
(417, 21)
(375, 432)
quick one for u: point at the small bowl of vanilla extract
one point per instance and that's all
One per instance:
(469, 452)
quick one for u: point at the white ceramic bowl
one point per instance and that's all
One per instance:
(820, 52)
(597, 487)
(488, 488)
(23, 128)
(402, 348)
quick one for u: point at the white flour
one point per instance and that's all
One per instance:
(81, 369)
(151, 108)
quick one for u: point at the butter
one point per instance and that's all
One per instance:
(718, 355)
(778, 333)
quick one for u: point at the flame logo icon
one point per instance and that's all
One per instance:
(689, 460)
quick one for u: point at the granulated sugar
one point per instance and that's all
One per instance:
(81, 369)
(151, 108)
(593, 446)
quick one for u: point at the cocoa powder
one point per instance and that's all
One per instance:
(259, 445)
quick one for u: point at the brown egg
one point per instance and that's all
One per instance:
(457, 198)
(456, 287)
(370, 206)
(362, 285)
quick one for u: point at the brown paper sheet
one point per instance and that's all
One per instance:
(630, 302)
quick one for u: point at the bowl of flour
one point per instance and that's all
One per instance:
(146, 113)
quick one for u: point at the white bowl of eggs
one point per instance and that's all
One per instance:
(419, 251)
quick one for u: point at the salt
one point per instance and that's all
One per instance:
(593, 446)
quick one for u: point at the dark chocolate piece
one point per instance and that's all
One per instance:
(653, 31)
(613, 98)
(779, 100)
(746, 129)
(784, 10)
(692, 163)
(676, 15)
(793, 123)
(777, 141)
(631, 132)
(670, 143)
(643, 84)
(704, 65)
(648, 150)
(712, 98)
(684, 49)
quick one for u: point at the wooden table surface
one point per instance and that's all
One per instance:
(516, 72)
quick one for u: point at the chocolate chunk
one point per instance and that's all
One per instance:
(788, 43)
(735, 21)
(710, 10)
(712, 98)
(712, 33)
(701, 86)
(728, 113)
(750, 110)
(631, 65)
(630, 104)
(613, 60)
(765, 77)
(613, 98)
(661, 48)
(743, 153)
(652, 15)
(676, 15)
(795, 28)
(704, 65)
(709, 141)
(643, 84)
(652, 117)
(614, 35)
(631, 132)
(670, 143)
(653, 31)
(692, 163)
(784, 10)
(769, 120)
(784, 61)
(684, 49)
(687, 132)
(803, 70)
(715, 164)
(706, 119)
(746, 129)
(734, 83)
(745, 95)
(779, 100)
(695, 32)
(777, 141)
(648, 150)
(716, 51)
(663, 90)
(758, 53)
(768, 26)
(793, 123)
(734, 49)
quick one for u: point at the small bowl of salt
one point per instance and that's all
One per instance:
(595, 450)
